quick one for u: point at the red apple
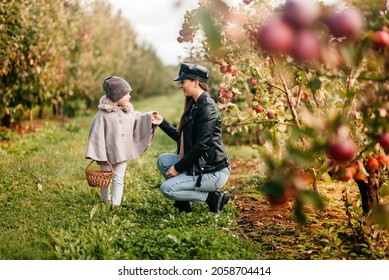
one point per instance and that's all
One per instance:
(188, 37)
(231, 69)
(372, 163)
(277, 200)
(300, 13)
(222, 92)
(276, 36)
(346, 174)
(348, 23)
(304, 95)
(229, 94)
(342, 151)
(223, 69)
(383, 159)
(306, 46)
(281, 196)
(258, 96)
(381, 38)
(254, 82)
(258, 108)
(359, 176)
(357, 165)
(271, 113)
(384, 140)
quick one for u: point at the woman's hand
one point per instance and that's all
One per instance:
(172, 172)
(156, 118)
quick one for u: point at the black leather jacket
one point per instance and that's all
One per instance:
(204, 151)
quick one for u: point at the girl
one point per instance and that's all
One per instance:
(118, 134)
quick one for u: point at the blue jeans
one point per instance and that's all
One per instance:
(183, 187)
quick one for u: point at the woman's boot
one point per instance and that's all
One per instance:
(183, 206)
(217, 200)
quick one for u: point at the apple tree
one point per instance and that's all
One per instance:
(312, 80)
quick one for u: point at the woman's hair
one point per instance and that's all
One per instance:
(189, 101)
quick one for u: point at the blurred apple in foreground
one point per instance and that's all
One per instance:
(384, 141)
(300, 13)
(306, 46)
(342, 151)
(347, 23)
(276, 36)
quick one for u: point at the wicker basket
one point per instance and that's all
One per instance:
(98, 178)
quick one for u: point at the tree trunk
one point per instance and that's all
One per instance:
(40, 116)
(369, 190)
(259, 138)
(31, 121)
(313, 172)
(55, 109)
(6, 121)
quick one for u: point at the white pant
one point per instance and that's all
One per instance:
(117, 183)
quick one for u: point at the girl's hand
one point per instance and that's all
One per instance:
(156, 118)
(172, 172)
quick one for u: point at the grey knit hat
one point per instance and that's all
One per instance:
(115, 88)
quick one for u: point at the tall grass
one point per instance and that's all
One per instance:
(49, 212)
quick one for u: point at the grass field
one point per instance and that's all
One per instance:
(48, 211)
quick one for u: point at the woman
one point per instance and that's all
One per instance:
(201, 165)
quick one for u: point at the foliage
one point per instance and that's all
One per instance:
(360, 235)
(58, 52)
(316, 92)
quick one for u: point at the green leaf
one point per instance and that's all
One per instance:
(314, 85)
(354, 55)
(299, 213)
(310, 197)
(211, 30)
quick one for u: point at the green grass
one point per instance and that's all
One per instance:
(50, 212)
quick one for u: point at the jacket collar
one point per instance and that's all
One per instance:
(107, 105)
(203, 96)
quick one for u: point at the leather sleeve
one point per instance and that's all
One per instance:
(170, 130)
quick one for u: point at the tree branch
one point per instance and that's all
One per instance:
(262, 122)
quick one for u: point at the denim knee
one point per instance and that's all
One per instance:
(166, 190)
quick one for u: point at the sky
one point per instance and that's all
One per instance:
(158, 22)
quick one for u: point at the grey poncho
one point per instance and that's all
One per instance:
(119, 134)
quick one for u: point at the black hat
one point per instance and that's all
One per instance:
(115, 88)
(193, 72)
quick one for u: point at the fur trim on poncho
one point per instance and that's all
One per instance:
(107, 105)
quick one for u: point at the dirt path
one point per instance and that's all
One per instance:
(276, 228)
